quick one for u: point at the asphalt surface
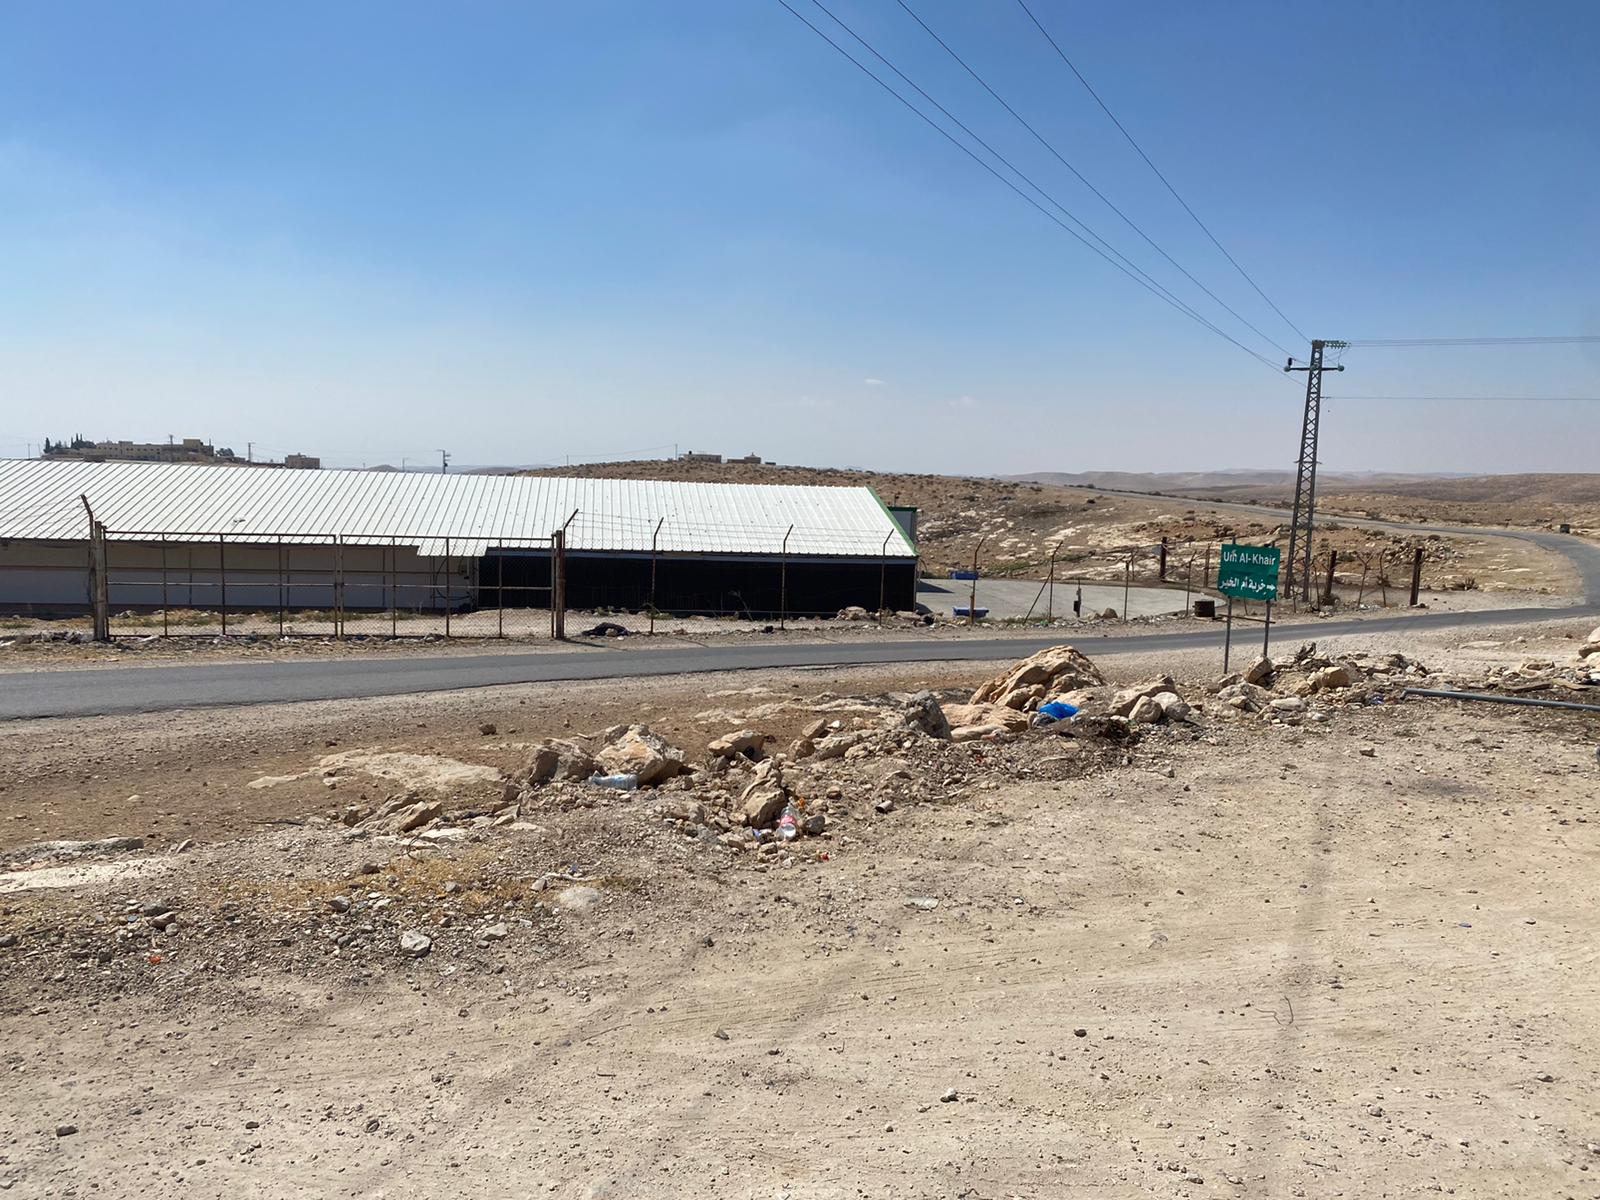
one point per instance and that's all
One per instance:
(25, 695)
(72, 693)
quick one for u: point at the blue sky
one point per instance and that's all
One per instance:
(528, 231)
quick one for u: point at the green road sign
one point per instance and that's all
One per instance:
(1249, 572)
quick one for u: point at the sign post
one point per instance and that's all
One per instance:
(1247, 573)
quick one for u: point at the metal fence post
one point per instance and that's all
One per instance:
(222, 579)
(338, 587)
(99, 588)
(783, 578)
(1127, 582)
(1416, 575)
(394, 589)
(559, 617)
(654, 539)
(449, 584)
(972, 598)
(283, 585)
(558, 597)
(165, 631)
(500, 588)
(1050, 604)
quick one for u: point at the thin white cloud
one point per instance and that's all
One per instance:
(874, 383)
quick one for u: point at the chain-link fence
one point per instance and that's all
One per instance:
(340, 585)
(326, 585)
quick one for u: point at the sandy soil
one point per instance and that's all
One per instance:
(1351, 958)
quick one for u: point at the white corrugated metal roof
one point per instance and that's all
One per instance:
(183, 501)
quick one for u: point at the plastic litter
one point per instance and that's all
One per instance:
(1056, 710)
(620, 783)
(789, 822)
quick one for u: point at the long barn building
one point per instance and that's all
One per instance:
(242, 539)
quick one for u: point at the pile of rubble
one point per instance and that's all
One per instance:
(1581, 674)
(748, 793)
(1304, 685)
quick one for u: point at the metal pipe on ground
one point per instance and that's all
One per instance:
(1491, 698)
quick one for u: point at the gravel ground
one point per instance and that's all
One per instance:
(1235, 958)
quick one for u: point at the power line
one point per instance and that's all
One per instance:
(1164, 291)
(1165, 181)
(1400, 343)
(1106, 200)
(946, 134)
(1493, 399)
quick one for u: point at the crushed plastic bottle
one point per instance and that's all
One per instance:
(620, 783)
(789, 822)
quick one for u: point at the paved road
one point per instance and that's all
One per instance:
(158, 689)
(1584, 555)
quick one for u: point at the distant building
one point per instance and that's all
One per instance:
(186, 450)
(699, 457)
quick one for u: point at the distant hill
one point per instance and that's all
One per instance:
(1190, 481)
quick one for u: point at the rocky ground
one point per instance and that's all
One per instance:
(1094, 531)
(1279, 934)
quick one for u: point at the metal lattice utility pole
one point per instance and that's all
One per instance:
(1305, 478)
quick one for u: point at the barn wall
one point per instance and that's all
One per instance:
(43, 577)
(707, 584)
(51, 577)
(48, 577)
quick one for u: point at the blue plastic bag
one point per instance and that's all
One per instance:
(1058, 711)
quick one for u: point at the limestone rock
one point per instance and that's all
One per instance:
(1246, 697)
(972, 733)
(554, 758)
(837, 745)
(414, 944)
(998, 715)
(1173, 706)
(1125, 701)
(578, 899)
(404, 813)
(1259, 672)
(636, 751)
(746, 742)
(1058, 669)
(1337, 676)
(764, 796)
(683, 808)
(1145, 711)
